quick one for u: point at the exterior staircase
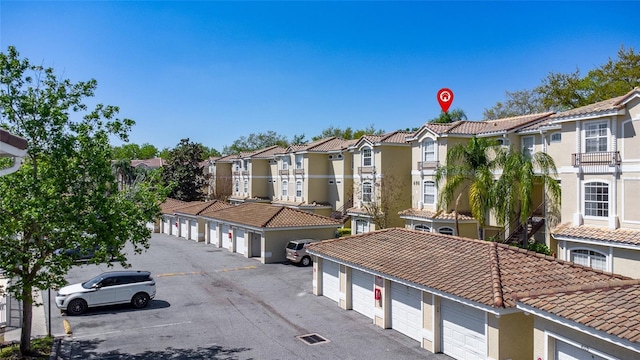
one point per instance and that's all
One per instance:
(341, 213)
(534, 224)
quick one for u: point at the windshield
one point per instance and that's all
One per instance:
(89, 284)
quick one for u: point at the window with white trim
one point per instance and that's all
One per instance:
(589, 258)
(596, 199)
(237, 186)
(245, 187)
(285, 188)
(299, 188)
(299, 162)
(429, 147)
(421, 227)
(429, 193)
(367, 191)
(528, 143)
(366, 157)
(595, 137)
(245, 165)
(446, 230)
(362, 226)
(556, 137)
(503, 141)
(285, 163)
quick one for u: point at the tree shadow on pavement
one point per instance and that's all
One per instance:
(86, 349)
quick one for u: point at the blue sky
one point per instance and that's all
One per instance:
(215, 71)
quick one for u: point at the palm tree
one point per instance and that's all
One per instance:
(521, 171)
(124, 172)
(469, 168)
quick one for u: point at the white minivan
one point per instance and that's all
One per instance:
(109, 288)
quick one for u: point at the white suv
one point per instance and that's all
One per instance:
(109, 288)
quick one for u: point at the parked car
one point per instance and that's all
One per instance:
(82, 255)
(109, 288)
(297, 251)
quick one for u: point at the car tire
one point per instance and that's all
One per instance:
(306, 261)
(140, 300)
(77, 307)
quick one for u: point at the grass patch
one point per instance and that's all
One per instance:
(40, 348)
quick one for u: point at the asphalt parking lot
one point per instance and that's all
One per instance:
(213, 304)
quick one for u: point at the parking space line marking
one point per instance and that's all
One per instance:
(249, 267)
(181, 273)
(132, 329)
(164, 325)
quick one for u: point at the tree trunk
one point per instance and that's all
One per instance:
(525, 233)
(457, 225)
(27, 312)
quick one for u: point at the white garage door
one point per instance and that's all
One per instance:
(331, 280)
(463, 331)
(193, 233)
(174, 227)
(566, 351)
(406, 310)
(362, 293)
(240, 247)
(226, 239)
(213, 233)
(166, 226)
(184, 228)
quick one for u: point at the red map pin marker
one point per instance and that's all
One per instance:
(445, 98)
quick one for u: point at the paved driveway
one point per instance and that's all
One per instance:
(213, 304)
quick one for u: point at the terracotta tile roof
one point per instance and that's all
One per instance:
(270, 216)
(16, 141)
(468, 127)
(623, 236)
(485, 272)
(395, 137)
(226, 158)
(265, 153)
(428, 214)
(150, 163)
(199, 208)
(357, 210)
(335, 144)
(169, 205)
(538, 125)
(612, 307)
(600, 108)
(212, 208)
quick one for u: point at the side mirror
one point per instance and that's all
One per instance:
(97, 286)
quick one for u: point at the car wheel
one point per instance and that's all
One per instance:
(140, 300)
(76, 307)
(306, 261)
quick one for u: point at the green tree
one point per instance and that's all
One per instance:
(255, 142)
(64, 194)
(513, 192)
(147, 151)
(521, 102)
(184, 173)
(164, 153)
(347, 133)
(126, 151)
(564, 91)
(469, 169)
(449, 116)
(208, 152)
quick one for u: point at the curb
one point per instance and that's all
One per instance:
(55, 349)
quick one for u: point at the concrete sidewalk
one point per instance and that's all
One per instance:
(38, 324)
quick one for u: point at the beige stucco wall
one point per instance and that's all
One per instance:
(317, 182)
(428, 319)
(275, 242)
(516, 336)
(396, 160)
(627, 197)
(539, 338)
(259, 173)
(626, 262)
